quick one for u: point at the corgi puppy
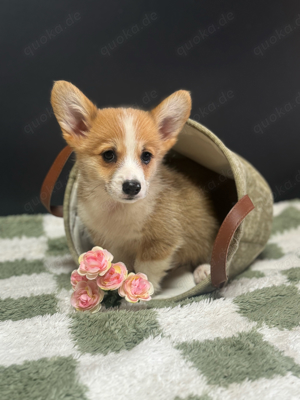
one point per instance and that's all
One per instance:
(148, 215)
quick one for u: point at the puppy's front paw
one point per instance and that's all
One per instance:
(154, 280)
(201, 272)
(156, 285)
(155, 271)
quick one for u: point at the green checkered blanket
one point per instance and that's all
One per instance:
(242, 342)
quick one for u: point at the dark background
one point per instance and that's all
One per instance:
(239, 59)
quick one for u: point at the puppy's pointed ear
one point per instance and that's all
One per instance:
(73, 110)
(170, 116)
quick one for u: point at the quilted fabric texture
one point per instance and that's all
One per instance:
(242, 342)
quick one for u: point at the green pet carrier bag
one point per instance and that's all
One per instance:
(245, 198)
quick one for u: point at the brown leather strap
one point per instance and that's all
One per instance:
(230, 224)
(50, 181)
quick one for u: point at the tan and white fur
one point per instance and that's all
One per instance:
(148, 215)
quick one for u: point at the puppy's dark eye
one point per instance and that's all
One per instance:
(146, 157)
(109, 156)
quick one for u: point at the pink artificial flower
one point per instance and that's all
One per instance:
(75, 278)
(114, 277)
(87, 296)
(136, 287)
(95, 262)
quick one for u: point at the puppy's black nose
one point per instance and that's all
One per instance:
(131, 187)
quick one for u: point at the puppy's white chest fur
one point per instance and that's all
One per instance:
(113, 225)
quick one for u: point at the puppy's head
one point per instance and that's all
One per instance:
(119, 148)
